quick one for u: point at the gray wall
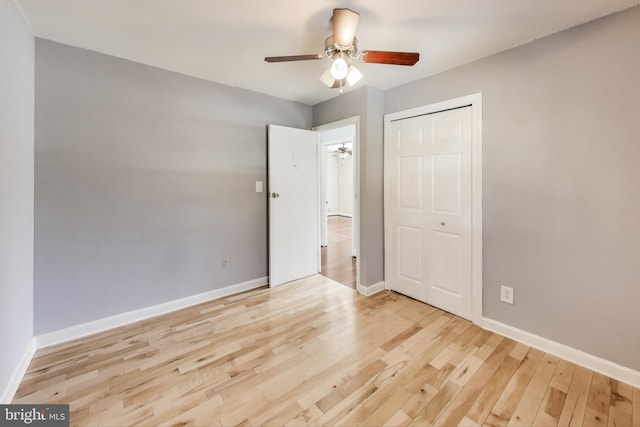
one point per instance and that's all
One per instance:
(144, 183)
(368, 103)
(16, 188)
(561, 200)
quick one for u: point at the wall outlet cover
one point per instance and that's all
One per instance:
(506, 294)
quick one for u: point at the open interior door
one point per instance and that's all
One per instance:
(293, 204)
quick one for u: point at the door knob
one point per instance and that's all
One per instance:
(443, 224)
(275, 195)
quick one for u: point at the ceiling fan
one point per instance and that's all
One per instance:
(343, 152)
(342, 45)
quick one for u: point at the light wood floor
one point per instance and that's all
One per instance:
(337, 262)
(314, 352)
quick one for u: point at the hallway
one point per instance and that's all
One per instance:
(337, 262)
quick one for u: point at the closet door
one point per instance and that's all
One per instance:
(429, 214)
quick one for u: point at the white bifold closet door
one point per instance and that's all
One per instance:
(430, 209)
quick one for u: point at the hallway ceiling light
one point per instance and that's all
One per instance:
(343, 152)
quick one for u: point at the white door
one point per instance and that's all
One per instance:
(430, 209)
(293, 204)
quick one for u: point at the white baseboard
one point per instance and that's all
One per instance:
(82, 330)
(18, 373)
(579, 357)
(370, 290)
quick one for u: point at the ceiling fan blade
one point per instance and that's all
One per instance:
(345, 22)
(292, 58)
(393, 58)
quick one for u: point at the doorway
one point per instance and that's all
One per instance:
(338, 201)
(338, 253)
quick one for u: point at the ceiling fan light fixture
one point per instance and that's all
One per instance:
(353, 75)
(327, 78)
(342, 45)
(343, 154)
(329, 81)
(339, 69)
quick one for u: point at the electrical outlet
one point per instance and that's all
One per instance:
(225, 263)
(506, 294)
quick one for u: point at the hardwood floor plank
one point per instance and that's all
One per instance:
(575, 403)
(515, 389)
(170, 406)
(420, 399)
(636, 407)
(420, 422)
(401, 337)
(620, 404)
(305, 417)
(338, 380)
(139, 415)
(481, 407)
(562, 377)
(527, 409)
(466, 422)
(551, 407)
(470, 391)
(383, 414)
(384, 385)
(313, 352)
(440, 401)
(354, 383)
(399, 419)
(599, 394)
(595, 418)
(204, 414)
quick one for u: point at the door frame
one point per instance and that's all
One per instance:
(355, 120)
(475, 101)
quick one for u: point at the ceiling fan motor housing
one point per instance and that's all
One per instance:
(333, 50)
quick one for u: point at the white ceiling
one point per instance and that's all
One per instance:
(226, 41)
